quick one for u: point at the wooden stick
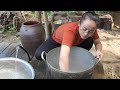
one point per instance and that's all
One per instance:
(22, 13)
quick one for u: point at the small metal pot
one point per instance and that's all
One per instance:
(15, 68)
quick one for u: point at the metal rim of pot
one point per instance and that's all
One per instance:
(44, 53)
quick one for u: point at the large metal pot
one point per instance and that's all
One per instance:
(15, 68)
(82, 64)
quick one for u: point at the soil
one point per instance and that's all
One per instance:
(111, 49)
(10, 36)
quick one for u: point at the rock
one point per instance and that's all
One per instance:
(74, 18)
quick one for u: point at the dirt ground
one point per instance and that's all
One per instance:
(111, 49)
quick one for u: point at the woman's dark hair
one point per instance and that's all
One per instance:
(91, 15)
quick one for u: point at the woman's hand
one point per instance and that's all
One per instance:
(99, 54)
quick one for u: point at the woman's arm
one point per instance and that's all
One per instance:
(64, 58)
(98, 47)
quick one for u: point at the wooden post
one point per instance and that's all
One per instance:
(47, 32)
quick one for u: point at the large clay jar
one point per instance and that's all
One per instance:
(32, 34)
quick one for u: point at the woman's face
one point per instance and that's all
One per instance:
(87, 28)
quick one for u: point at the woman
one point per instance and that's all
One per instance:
(82, 34)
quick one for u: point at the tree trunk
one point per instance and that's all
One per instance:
(39, 16)
(116, 17)
(23, 15)
(46, 24)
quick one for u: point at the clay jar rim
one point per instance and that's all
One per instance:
(31, 23)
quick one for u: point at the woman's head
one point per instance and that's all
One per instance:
(88, 24)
